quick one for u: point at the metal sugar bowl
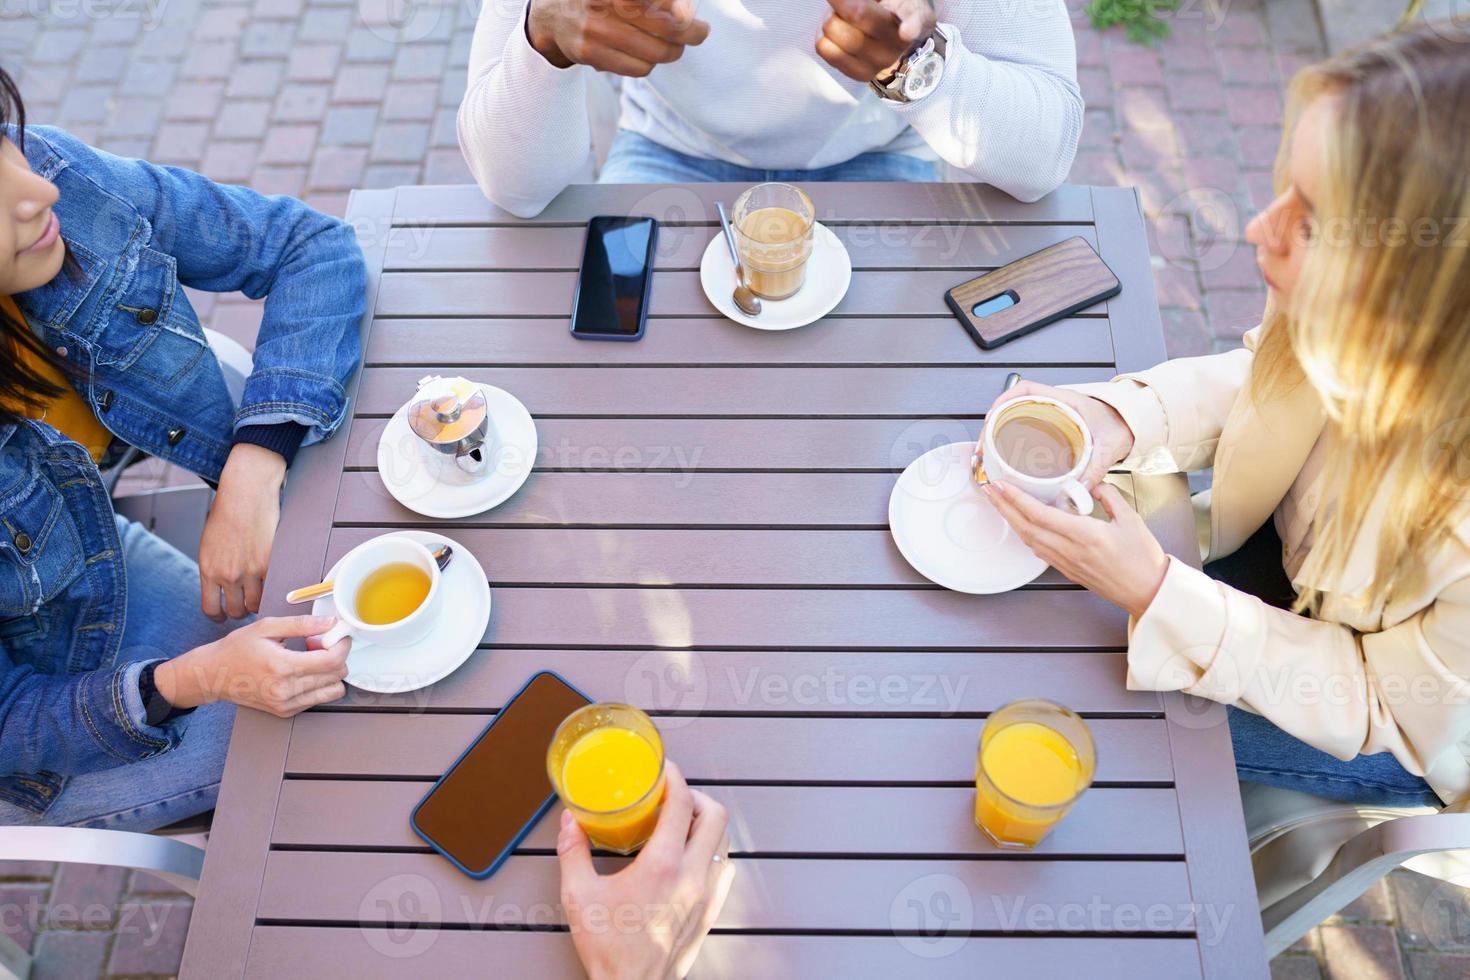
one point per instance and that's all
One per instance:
(452, 418)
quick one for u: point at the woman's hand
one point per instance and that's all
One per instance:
(649, 919)
(235, 549)
(1120, 561)
(253, 668)
(1112, 440)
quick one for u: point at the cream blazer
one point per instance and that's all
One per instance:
(1352, 681)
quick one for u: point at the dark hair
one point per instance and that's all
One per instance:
(21, 384)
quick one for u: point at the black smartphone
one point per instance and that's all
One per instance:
(498, 788)
(611, 302)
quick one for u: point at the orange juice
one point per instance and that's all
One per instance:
(1029, 771)
(608, 769)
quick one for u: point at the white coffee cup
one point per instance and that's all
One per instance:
(1064, 488)
(361, 562)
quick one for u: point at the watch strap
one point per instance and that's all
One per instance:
(156, 708)
(888, 83)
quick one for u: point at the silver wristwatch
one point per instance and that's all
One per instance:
(914, 75)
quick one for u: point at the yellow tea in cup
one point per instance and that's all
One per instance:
(1035, 759)
(606, 762)
(391, 593)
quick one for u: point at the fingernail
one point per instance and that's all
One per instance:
(566, 819)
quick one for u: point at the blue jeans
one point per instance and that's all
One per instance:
(636, 159)
(1265, 753)
(163, 614)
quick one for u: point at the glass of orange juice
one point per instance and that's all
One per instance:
(1035, 759)
(606, 762)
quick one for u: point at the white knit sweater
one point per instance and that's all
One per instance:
(1007, 112)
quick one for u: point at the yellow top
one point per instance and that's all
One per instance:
(68, 412)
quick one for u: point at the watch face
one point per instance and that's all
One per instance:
(923, 76)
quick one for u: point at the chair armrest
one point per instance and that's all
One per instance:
(1358, 863)
(173, 860)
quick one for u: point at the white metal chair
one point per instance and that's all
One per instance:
(1313, 856)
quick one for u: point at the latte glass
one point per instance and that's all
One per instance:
(773, 232)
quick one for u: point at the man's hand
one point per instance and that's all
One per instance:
(650, 918)
(625, 37)
(236, 545)
(863, 37)
(253, 668)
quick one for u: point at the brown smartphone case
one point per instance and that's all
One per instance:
(1031, 292)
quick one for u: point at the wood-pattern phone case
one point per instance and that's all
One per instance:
(1029, 293)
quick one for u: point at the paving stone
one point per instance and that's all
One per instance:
(361, 83)
(24, 911)
(1286, 967)
(1234, 311)
(1438, 966)
(349, 125)
(289, 144)
(1362, 952)
(301, 102)
(338, 168)
(1374, 905)
(411, 100)
(22, 870)
(67, 955)
(1254, 107)
(279, 180)
(180, 142)
(1432, 914)
(314, 62)
(400, 142)
(150, 937)
(85, 896)
(241, 119)
(194, 100)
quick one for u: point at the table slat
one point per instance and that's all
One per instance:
(816, 682)
(891, 292)
(766, 893)
(723, 749)
(782, 820)
(838, 203)
(604, 556)
(369, 954)
(731, 391)
(869, 246)
(876, 340)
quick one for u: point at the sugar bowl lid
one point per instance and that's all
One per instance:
(446, 411)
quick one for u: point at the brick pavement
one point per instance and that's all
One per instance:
(316, 97)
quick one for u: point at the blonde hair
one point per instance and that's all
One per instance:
(1379, 323)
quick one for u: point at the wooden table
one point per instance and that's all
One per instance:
(705, 536)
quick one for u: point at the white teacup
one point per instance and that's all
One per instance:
(1059, 488)
(356, 566)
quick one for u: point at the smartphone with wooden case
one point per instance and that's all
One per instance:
(1029, 293)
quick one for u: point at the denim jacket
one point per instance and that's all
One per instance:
(135, 234)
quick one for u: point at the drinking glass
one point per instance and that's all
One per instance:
(774, 246)
(627, 828)
(1035, 759)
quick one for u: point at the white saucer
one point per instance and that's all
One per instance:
(429, 483)
(464, 613)
(948, 530)
(828, 274)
